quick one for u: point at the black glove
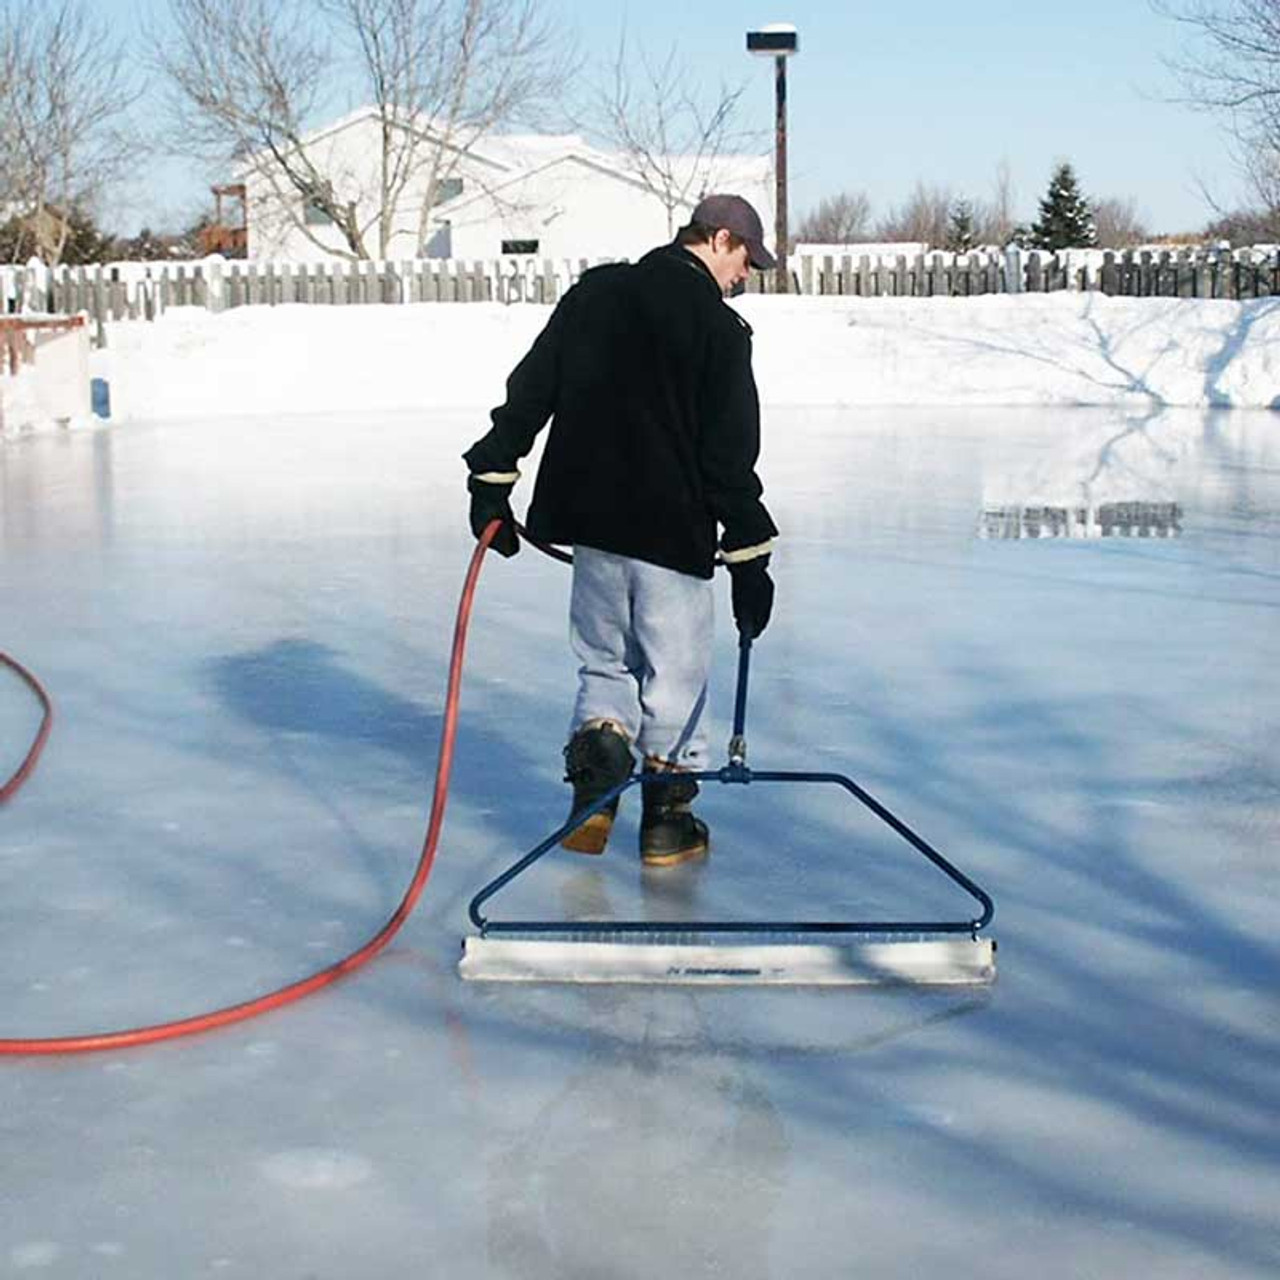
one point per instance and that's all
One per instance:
(752, 594)
(490, 502)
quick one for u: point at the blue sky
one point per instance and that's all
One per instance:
(882, 96)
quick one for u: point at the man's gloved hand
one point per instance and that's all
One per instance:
(491, 502)
(752, 595)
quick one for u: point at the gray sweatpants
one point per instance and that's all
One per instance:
(643, 635)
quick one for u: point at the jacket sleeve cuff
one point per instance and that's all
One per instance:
(740, 555)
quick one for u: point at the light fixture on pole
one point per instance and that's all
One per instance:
(779, 40)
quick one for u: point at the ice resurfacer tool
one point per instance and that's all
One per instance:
(798, 952)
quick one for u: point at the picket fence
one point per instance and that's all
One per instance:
(144, 291)
(1145, 273)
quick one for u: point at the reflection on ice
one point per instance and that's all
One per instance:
(665, 894)
(1111, 519)
(1109, 475)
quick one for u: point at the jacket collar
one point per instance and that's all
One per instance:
(678, 253)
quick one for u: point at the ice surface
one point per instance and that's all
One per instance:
(245, 625)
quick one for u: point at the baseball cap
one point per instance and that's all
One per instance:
(734, 214)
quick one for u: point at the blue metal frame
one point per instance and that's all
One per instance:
(736, 772)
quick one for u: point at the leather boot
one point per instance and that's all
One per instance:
(596, 760)
(669, 832)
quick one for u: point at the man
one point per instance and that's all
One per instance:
(646, 376)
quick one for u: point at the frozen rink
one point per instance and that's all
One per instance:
(245, 626)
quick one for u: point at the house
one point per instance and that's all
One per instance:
(547, 196)
(227, 233)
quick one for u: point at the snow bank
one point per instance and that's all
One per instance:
(1068, 349)
(1032, 349)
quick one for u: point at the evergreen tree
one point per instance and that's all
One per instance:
(1066, 220)
(15, 243)
(39, 235)
(153, 246)
(961, 232)
(85, 241)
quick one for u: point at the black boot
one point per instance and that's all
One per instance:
(596, 760)
(669, 832)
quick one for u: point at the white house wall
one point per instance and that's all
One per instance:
(352, 154)
(573, 209)
(581, 205)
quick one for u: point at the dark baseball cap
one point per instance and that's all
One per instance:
(733, 213)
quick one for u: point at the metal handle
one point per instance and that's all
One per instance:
(738, 743)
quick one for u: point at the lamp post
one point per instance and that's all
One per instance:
(779, 41)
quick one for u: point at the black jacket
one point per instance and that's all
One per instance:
(655, 431)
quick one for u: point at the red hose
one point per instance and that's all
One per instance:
(325, 977)
(28, 766)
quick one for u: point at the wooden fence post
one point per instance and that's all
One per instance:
(866, 285)
(1261, 279)
(1221, 274)
(116, 299)
(1035, 276)
(98, 307)
(1014, 277)
(1110, 273)
(918, 282)
(1204, 279)
(899, 277)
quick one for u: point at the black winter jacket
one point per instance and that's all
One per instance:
(655, 431)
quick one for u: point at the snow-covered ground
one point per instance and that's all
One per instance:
(1067, 349)
(244, 618)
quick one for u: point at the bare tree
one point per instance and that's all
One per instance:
(671, 129)
(924, 217)
(63, 107)
(11, 175)
(840, 219)
(996, 222)
(1233, 70)
(1243, 227)
(1118, 223)
(437, 75)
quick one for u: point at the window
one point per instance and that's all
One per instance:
(519, 246)
(448, 189)
(314, 214)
